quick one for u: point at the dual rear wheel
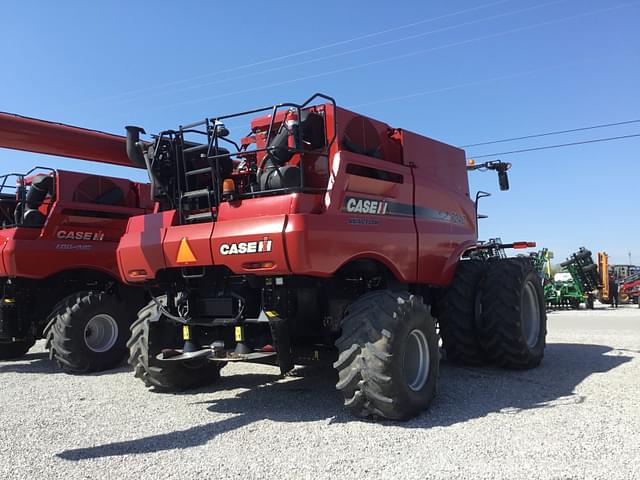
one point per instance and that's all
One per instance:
(388, 364)
(494, 313)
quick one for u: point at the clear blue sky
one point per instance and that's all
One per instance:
(513, 68)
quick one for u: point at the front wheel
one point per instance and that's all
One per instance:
(388, 359)
(88, 331)
(16, 349)
(147, 335)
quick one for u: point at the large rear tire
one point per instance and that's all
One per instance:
(16, 349)
(88, 332)
(164, 376)
(388, 360)
(514, 319)
(458, 312)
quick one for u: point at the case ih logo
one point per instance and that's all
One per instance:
(74, 235)
(241, 248)
(362, 205)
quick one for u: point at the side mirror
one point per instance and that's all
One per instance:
(503, 180)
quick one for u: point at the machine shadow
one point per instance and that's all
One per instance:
(36, 362)
(465, 394)
(39, 362)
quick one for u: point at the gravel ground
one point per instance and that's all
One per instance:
(577, 416)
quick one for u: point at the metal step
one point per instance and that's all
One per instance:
(205, 192)
(199, 171)
(208, 353)
(199, 216)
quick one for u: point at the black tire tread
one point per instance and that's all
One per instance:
(456, 310)
(14, 350)
(364, 362)
(163, 378)
(501, 333)
(59, 340)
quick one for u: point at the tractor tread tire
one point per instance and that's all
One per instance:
(64, 333)
(502, 334)
(367, 373)
(456, 311)
(15, 350)
(164, 377)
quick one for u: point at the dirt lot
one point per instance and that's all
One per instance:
(577, 416)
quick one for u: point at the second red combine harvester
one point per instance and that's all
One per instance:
(58, 236)
(321, 234)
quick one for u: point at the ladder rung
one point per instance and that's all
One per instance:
(199, 216)
(190, 173)
(194, 124)
(197, 148)
(205, 192)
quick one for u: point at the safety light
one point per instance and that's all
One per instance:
(257, 265)
(137, 273)
(520, 245)
(221, 129)
(471, 162)
(229, 189)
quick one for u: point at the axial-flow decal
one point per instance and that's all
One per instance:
(397, 209)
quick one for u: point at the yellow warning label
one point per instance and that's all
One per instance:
(239, 334)
(271, 313)
(185, 254)
(186, 334)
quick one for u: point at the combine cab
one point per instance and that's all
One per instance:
(58, 237)
(321, 235)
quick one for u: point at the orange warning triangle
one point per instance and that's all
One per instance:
(185, 255)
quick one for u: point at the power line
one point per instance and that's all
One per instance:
(306, 51)
(477, 82)
(547, 147)
(558, 132)
(400, 56)
(351, 51)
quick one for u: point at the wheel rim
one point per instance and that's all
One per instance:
(530, 315)
(101, 333)
(416, 360)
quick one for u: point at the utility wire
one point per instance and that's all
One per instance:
(349, 52)
(547, 147)
(304, 52)
(558, 132)
(400, 56)
(478, 82)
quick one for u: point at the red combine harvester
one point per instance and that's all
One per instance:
(58, 238)
(630, 289)
(321, 234)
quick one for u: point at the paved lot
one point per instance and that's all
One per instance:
(577, 416)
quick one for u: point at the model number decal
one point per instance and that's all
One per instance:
(73, 246)
(75, 235)
(241, 248)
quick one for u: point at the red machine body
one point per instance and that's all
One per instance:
(322, 235)
(80, 232)
(59, 231)
(384, 194)
(630, 288)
